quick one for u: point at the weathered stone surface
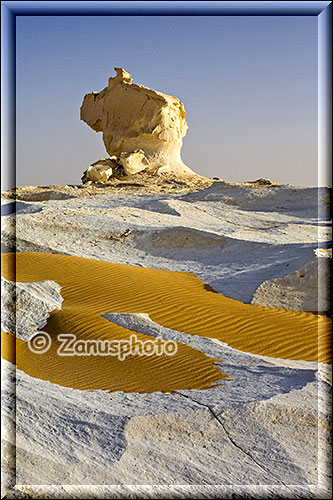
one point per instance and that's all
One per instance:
(134, 162)
(133, 117)
(100, 171)
(306, 289)
(26, 306)
(266, 427)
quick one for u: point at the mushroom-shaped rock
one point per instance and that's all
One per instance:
(135, 118)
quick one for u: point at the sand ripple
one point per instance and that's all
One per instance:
(179, 301)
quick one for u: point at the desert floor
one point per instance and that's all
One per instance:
(240, 409)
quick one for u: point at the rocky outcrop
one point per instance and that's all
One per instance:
(26, 306)
(142, 128)
(306, 289)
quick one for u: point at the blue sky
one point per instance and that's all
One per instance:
(248, 83)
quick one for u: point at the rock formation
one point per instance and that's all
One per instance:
(134, 162)
(142, 129)
(306, 289)
(27, 306)
(100, 171)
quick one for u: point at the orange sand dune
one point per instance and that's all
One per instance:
(180, 301)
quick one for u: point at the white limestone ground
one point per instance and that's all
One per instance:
(261, 433)
(232, 236)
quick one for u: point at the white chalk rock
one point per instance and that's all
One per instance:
(100, 171)
(306, 289)
(26, 306)
(133, 117)
(134, 162)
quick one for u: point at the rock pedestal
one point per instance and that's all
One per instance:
(142, 128)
